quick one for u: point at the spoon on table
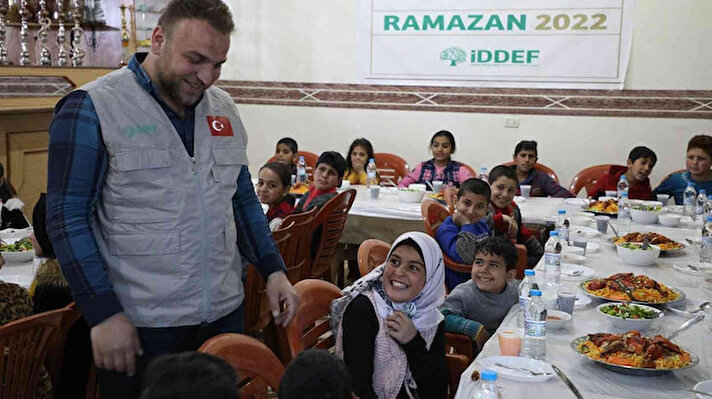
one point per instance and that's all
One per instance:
(703, 306)
(685, 326)
(614, 229)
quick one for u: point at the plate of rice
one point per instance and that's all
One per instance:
(644, 289)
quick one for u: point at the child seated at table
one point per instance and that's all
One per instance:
(357, 158)
(189, 375)
(388, 328)
(315, 374)
(477, 307)
(441, 167)
(327, 177)
(273, 190)
(542, 185)
(639, 166)
(287, 153)
(459, 234)
(697, 163)
(504, 217)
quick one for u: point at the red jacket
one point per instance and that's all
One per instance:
(609, 181)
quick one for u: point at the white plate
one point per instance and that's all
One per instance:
(582, 300)
(573, 258)
(587, 231)
(705, 270)
(703, 386)
(577, 201)
(592, 247)
(522, 362)
(568, 268)
(19, 279)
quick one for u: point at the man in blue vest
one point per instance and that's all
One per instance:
(150, 205)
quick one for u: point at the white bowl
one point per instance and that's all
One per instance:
(629, 324)
(571, 250)
(417, 186)
(644, 217)
(638, 257)
(18, 257)
(579, 220)
(669, 219)
(410, 196)
(678, 209)
(704, 386)
(562, 320)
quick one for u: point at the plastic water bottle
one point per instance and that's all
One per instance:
(487, 386)
(563, 226)
(623, 214)
(527, 284)
(301, 170)
(706, 242)
(534, 342)
(688, 199)
(483, 174)
(700, 204)
(708, 206)
(622, 186)
(371, 173)
(552, 261)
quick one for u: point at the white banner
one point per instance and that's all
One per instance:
(503, 43)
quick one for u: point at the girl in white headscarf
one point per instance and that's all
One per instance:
(388, 328)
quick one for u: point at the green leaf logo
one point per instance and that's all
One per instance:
(455, 55)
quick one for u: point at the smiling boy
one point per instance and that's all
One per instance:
(697, 162)
(477, 307)
(639, 166)
(542, 185)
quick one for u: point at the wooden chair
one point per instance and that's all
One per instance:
(257, 367)
(541, 168)
(587, 178)
(296, 250)
(371, 253)
(26, 342)
(310, 326)
(456, 365)
(309, 157)
(331, 218)
(391, 168)
(55, 347)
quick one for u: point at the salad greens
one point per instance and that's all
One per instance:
(23, 245)
(629, 312)
(648, 208)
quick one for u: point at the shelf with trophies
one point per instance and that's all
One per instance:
(137, 23)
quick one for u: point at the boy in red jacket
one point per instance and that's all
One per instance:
(641, 161)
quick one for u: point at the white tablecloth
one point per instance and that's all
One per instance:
(594, 381)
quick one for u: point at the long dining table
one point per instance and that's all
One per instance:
(593, 380)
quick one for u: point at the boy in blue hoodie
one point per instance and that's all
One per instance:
(460, 233)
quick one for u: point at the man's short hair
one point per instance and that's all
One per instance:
(214, 12)
(701, 141)
(315, 374)
(189, 375)
(475, 186)
(642, 152)
(526, 145)
(333, 159)
(503, 170)
(499, 246)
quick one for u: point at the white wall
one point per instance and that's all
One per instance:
(315, 41)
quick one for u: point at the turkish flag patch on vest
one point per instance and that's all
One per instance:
(219, 126)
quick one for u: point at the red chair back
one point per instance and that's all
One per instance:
(331, 218)
(296, 250)
(587, 178)
(541, 168)
(468, 167)
(55, 349)
(371, 253)
(391, 168)
(256, 365)
(310, 326)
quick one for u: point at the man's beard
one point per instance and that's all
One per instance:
(170, 88)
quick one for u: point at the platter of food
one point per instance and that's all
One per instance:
(19, 251)
(664, 243)
(644, 289)
(299, 189)
(631, 353)
(607, 207)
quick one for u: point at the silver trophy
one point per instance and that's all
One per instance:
(44, 21)
(3, 49)
(77, 31)
(24, 53)
(62, 58)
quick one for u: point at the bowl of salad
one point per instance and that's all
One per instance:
(636, 254)
(646, 212)
(628, 316)
(19, 251)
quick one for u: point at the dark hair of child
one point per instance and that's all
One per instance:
(446, 134)
(333, 159)
(701, 141)
(316, 374)
(503, 170)
(189, 375)
(282, 170)
(642, 152)
(362, 142)
(499, 246)
(526, 145)
(289, 142)
(475, 186)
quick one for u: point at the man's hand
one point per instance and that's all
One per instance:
(400, 327)
(279, 290)
(115, 344)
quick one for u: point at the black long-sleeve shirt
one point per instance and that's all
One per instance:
(428, 367)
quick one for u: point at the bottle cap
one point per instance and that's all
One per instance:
(622, 177)
(488, 375)
(301, 157)
(709, 218)
(553, 233)
(703, 191)
(372, 160)
(690, 184)
(562, 211)
(535, 292)
(624, 194)
(529, 272)
(709, 197)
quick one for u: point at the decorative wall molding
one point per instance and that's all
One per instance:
(34, 86)
(690, 104)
